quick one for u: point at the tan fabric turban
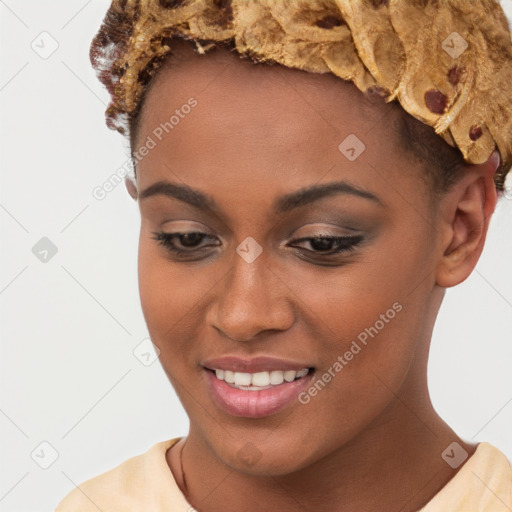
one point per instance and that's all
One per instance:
(447, 62)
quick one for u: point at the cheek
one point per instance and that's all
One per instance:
(366, 354)
(166, 307)
(173, 299)
(372, 316)
(165, 293)
(154, 289)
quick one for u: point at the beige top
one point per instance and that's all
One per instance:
(145, 483)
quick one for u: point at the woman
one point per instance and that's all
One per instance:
(300, 223)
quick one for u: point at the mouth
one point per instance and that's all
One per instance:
(256, 394)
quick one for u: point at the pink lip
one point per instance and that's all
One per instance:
(253, 365)
(255, 404)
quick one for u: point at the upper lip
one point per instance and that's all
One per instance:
(253, 365)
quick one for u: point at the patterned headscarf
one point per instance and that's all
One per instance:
(447, 62)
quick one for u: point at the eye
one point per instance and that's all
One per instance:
(323, 245)
(189, 241)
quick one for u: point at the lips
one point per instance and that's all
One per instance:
(257, 387)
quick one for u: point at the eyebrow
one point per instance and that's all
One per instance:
(283, 204)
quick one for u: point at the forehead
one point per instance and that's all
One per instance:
(229, 83)
(255, 122)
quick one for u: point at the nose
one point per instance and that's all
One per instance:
(252, 298)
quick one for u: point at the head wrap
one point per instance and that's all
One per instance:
(447, 62)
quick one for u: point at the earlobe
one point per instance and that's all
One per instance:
(131, 187)
(466, 213)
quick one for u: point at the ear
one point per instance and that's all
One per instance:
(131, 187)
(465, 212)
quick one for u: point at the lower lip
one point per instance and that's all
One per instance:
(255, 404)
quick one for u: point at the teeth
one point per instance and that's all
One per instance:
(259, 380)
(242, 379)
(276, 377)
(289, 375)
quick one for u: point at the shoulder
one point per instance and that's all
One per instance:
(483, 484)
(125, 487)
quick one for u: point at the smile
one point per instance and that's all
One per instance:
(258, 394)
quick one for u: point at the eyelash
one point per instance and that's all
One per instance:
(347, 243)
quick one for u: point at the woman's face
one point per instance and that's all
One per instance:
(287, 159)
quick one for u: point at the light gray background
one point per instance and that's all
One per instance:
(69, 326)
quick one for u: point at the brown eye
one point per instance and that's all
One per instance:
(183, 243)
(322, 244)
(190, 239)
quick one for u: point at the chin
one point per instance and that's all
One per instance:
(273, 453)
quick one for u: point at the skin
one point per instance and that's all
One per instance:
(371, 439)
